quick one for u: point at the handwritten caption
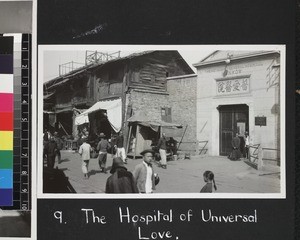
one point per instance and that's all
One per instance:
(142, 221)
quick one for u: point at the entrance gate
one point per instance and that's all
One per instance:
(233, 119)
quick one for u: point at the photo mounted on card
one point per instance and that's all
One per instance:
(197, 121)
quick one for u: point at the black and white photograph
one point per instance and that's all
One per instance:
(201, 121)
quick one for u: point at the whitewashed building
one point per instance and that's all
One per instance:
(238, 91)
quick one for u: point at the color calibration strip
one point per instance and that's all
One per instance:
(25, 116)
(6, 120)
(21, 122)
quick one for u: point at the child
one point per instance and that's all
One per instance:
(209, 179)
(84, 151)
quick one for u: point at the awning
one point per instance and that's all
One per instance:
(64, 110)
(113, 109)
(48, 96)
(144, 119)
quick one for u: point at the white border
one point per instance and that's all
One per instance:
(34, 97)
(281, 48)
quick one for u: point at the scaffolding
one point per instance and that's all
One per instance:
(92, 57)
(69, 67)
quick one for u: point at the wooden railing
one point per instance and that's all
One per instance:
(277, 159)
(253, 156)
(204, 148)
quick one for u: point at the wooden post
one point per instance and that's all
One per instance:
(182, 137)
(136, 139)
(260, 163)
(128, 139)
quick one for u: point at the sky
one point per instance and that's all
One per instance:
(53, 58)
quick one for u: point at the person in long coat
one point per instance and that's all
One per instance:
(121, 180)
(236, 153)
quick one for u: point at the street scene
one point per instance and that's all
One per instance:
(162, 121)
(184, 174)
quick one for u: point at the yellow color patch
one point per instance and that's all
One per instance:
(6, 140)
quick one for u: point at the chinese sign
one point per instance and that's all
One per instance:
(233, 86)
(260, 121)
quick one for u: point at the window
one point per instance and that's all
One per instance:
(166, 114)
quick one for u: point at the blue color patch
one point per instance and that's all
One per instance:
(6, 178)
(6, 197)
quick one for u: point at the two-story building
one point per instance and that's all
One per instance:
(106, 94)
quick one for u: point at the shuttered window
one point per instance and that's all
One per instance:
(166, 114)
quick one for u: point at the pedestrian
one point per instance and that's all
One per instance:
(162, 146)
(209, 178)
(236, 153)
(121, 180)
(85, 150)
(59, 144)
(120, 147)
(51, 148)
(172, 145)
(46, 139)
(144, 174)
(47, 135)
(102, 147)
(247, 144)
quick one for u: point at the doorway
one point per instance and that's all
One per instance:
(233, 119)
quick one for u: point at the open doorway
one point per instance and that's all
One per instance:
(233, 119)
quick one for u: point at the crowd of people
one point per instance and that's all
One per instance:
(142, 179)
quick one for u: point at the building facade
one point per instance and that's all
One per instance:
(238, 91)
(142, 81)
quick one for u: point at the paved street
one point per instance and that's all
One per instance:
(181, 176)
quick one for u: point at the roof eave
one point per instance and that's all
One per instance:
(202, 64)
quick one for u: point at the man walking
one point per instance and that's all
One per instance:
(162, 146)
(144, 174)
(102, 147)
(120, 147)
(59, 144)
(84, 151)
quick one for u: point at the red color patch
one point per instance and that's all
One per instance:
(6, 121)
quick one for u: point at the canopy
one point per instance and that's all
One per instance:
(143, 119)
(113, 109)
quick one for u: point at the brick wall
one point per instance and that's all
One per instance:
(182, 99)
(149, 103)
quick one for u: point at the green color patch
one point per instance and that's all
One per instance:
(6, 159)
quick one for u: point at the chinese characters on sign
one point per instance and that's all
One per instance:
(233, 86)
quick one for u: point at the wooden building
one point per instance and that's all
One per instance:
(138, 81)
